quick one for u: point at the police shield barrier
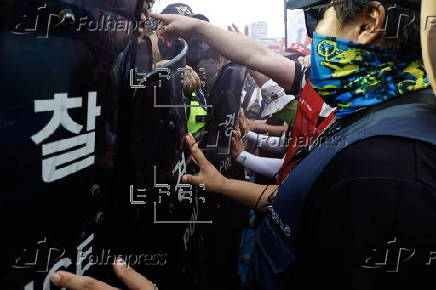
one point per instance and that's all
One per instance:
(249, 87)
(206, 61)
(64, 68)
(152, 222)
(144, 56)
(222, 239)
(225, 100)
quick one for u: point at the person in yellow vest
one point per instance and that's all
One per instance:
(196, 113)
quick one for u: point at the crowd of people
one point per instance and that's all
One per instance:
(340, 141)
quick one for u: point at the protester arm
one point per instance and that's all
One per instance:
(244, 192)
(269, 129)
(266, 142)
(249, 52)
(247, 125)
(259, 78)
(234, 46)
(261, 165)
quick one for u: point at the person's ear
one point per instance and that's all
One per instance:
(372, 23)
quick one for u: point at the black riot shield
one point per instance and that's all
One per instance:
(225, 100)
(153, 222)
(144, 57)
(222, 238)
(249, 87)
(64, 69)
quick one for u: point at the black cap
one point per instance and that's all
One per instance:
(301, 4)
(201, 17)
(178, 8)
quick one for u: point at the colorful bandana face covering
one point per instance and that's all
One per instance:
(352, 76)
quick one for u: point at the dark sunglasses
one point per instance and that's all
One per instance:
(315, 13)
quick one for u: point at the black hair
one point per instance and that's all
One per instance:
(402, 23)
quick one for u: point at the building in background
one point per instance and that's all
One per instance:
(259, 30)
(297, 28)
(273, 43)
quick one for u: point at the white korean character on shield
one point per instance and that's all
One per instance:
(74, 159)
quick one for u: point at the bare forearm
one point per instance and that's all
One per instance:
(232, 45)
(259, 78)
(269, 129)
(247, 193)
(248, 52)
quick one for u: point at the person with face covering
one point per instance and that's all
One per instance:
(375, 189)
(361, 213)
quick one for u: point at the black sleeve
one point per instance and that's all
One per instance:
(298, 80)
(370, 222)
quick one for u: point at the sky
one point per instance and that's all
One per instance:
(240, 12)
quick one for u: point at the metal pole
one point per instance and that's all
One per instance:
(286, 25)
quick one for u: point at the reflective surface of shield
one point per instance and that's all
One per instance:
(221, 246)
(65, 67)
(154, 216)
(223, 116)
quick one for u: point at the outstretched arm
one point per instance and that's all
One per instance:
(247, 125)
(271, 130)
(245, 192)
(259, 78)
(234, 46)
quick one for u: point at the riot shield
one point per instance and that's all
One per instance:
(249, 87)
(225, 100)
(153, 222)
(144, 56)
(64, 69)
(222, 238)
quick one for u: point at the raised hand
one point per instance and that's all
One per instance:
(174, 25)
(132, 279)
(245, 124)
(191, 81)
(209, 175)
(237, 144)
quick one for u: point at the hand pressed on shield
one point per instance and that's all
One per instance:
(245, 124)
(209, 175)
(132, 279)
(237, 144)
(245, 192)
